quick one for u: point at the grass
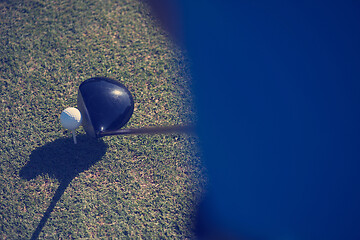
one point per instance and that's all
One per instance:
(130, 187)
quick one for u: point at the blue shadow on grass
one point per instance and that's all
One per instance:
(63, 160)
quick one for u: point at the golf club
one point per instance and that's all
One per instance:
(106, 106)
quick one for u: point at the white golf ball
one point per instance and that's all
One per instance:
(70, 118)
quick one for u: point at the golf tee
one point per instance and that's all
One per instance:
(74, 136)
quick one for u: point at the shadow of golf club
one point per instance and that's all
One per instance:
(63, 160)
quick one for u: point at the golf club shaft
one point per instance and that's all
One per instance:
(151, 130)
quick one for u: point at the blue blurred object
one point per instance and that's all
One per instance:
(277, 85)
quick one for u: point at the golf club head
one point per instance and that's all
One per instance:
(105, 105)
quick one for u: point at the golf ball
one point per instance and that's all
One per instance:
(70, 118)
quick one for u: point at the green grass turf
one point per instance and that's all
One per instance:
(128, 187)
